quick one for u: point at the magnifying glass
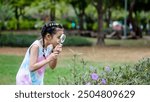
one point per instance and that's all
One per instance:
(62, 39)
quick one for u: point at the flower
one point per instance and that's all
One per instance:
(94, 76)
(107, 68)
(103, 81)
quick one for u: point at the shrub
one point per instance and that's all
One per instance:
(12, 24)
(24, 24)
(77, 41)
(16, 40)
(81, 74)
(24, 40)
(27, 24)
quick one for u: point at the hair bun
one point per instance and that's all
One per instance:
(53, 24)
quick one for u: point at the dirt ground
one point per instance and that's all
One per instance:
(121, 54)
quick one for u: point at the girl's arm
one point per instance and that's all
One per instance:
(53, 63)
(34, 65)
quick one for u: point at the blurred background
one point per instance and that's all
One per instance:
(102, 32)
(93, 18)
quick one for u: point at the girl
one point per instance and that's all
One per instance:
(41, 52)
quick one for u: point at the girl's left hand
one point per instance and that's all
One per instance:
(57, 49)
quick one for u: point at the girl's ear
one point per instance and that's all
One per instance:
(48, 36)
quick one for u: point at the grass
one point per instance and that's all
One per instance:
(144, 42)
(8, 68)
(128, 43)
(9, 65)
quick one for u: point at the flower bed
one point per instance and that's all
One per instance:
(137, 74)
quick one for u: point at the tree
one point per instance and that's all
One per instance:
(19, 6)
(135, 26)
(137, 5)
(52, 11)
(98, 4)
(46, 9)
(108, 6)
(79, 7)
(6, 12)
(134, 6)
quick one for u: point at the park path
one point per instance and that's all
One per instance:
(121, 54)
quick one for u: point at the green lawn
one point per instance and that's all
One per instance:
(8, 68)
(9, 65)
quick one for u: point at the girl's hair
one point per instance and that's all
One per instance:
(51, 28)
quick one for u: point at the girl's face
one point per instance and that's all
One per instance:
(55, 39)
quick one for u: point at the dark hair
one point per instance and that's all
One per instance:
(51, 28)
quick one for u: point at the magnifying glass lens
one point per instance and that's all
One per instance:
(62, 38)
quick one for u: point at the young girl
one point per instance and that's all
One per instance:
(41, 52)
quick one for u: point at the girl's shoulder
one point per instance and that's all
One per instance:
(37, 42)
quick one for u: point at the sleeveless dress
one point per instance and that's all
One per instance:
(24, 75)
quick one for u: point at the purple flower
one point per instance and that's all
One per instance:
(103, 81)
(94, 76)
(107, 68)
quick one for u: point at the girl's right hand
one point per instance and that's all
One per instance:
(58, 49)
(52, 56)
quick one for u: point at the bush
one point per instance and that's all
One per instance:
(81, 74)
(77, 41)
(26, 24)
(95, 26)
(11, 24)
(16, 40)
(24, 40)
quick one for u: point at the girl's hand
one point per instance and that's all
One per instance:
(52, 56)
(57, 49)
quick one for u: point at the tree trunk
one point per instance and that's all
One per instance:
(17, 18)
(132, 20)
(100, 36)
(0, 31)
(81, 20)
(108, 17)
(81, 15)
(52, 15)
(52, 11)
